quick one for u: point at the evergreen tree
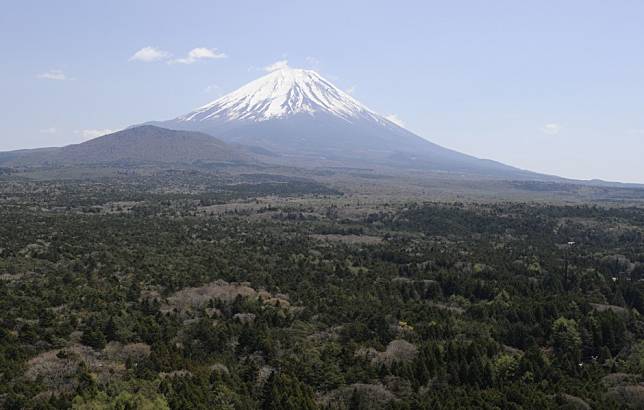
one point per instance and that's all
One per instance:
(282, 392)
(566, 340)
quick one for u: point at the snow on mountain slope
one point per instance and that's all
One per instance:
(280, 94)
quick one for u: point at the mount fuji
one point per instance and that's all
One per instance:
(290, 117)
(304, 118)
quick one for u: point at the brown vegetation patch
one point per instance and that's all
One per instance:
(573, 402)
(397, 351)
(631, 397)
(324, 335)
(191, 298)
(220, 368)
(244, 317)
(198, 297)
(615, 309)
(120, 352)
(619, 379)
(58, 369)
(377, 395)
(349, 239)
(443, 306)
(11, 277)
(175, 373)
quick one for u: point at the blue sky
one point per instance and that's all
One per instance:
(550, 86)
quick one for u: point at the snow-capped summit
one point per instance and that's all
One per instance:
(280, 94)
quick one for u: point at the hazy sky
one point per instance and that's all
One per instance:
(550, 86)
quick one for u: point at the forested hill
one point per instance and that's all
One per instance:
(143, 144)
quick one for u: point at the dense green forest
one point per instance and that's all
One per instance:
(176, 292)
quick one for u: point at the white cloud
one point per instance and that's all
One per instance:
(352, 90)
(150, 54)
(200, 53)
(551, 129)
(278, 65)
(93, 133)
(394, 118)
(56, 75)
(50, 130)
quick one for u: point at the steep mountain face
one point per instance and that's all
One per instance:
(299, 114)
(134, 145)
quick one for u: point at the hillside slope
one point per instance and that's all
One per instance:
(145, 143)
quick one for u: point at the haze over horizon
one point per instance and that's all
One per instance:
(544, 86)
